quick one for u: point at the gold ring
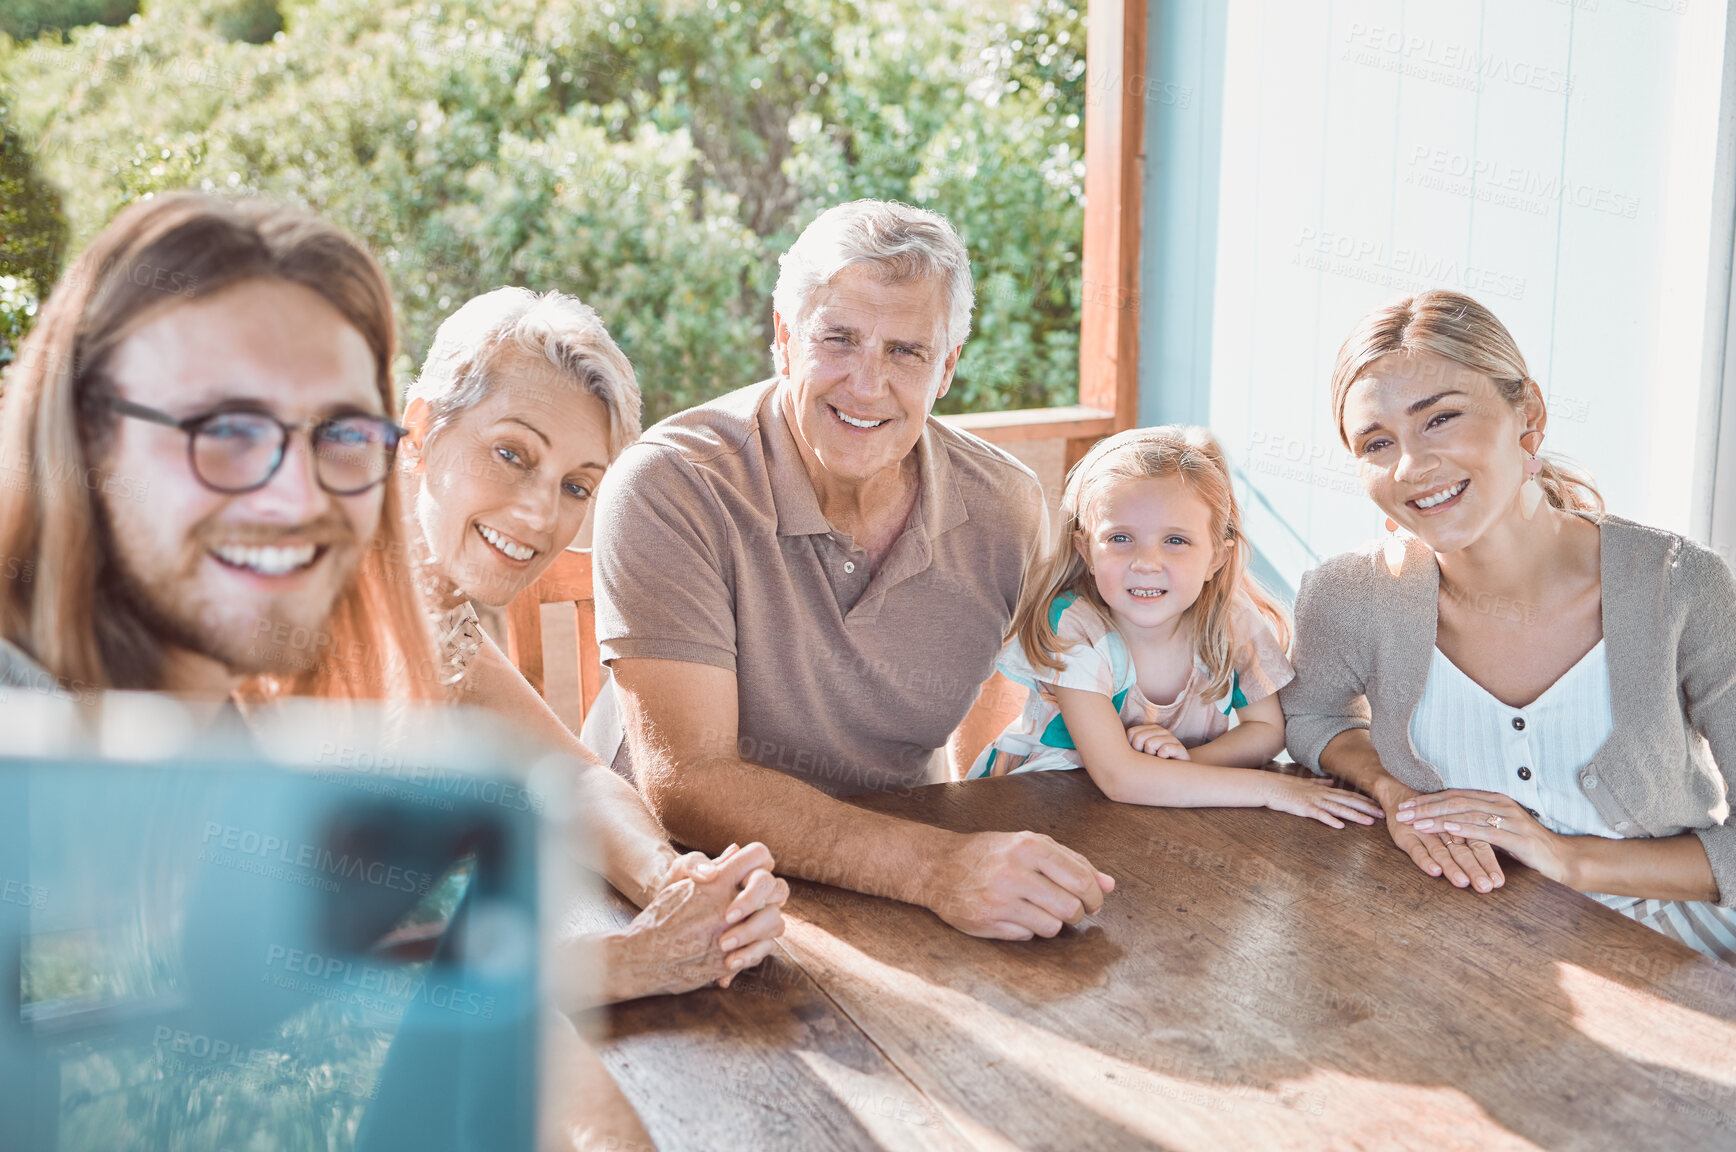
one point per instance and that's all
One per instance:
(1494, 821)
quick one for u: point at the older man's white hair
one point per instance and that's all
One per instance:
(560, 328)
(896, 242)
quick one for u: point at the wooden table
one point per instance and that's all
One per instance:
(1256, 981)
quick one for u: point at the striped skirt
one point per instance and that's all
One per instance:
(1706, 928)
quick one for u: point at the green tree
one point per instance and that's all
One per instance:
(32, 234)
(27, 19)
(252, 21)
(652, 156)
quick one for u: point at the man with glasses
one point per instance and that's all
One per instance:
(255, 417)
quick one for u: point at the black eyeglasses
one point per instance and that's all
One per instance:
(240, 451)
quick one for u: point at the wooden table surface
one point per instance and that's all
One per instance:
(1256, 981)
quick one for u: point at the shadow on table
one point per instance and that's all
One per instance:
(770, 1064)
(1246, 951)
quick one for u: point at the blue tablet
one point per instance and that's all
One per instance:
(315, 930)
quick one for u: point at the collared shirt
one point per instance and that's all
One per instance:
(711, 548)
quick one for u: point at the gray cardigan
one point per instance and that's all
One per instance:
(1364, 639)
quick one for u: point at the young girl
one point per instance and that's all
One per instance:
(1143, 630)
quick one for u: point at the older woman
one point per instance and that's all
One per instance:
(523, 402)
(1516, 669)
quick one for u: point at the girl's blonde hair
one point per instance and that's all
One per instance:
(1454, 326)
(1192, 454)
(55, 429)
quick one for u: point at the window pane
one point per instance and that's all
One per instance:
(1554, 160)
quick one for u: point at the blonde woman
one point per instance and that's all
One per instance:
(1515, 669)
(522, 403)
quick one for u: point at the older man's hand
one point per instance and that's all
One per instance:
(1014, 885)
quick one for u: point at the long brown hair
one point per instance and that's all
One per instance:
(1456, 327)
(55, 427)
(1192, 454)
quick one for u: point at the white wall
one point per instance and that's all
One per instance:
(1554, 159)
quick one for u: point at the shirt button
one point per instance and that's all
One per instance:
(1622, 825)
(1518, 723)
(849, 565)
(1524, 772)
(1590, 781)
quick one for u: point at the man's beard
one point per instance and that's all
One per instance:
(192, 626)
(172, 627)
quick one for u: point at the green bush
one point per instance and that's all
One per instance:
(17, 311)
(32, 234)
(651, 156)
(250, 21)
(28, 19)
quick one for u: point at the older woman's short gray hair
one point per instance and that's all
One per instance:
(896, 241)
(558, 327)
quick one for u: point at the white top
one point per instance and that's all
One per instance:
(1533, 754)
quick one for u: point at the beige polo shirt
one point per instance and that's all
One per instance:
(710, 547)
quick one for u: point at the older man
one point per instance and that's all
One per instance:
(803, 584)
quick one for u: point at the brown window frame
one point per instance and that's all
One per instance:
(1115, 48)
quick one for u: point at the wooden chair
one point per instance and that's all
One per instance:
(566, 581)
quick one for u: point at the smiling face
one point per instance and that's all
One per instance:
(865, 366)
(219, 576)
(505, 486)
(1438, 448)
(1151, 549)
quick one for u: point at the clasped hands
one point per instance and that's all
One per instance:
(1455, 833)
(710, 920)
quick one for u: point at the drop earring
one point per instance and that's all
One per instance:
(1392, 551)
(1531, 492)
